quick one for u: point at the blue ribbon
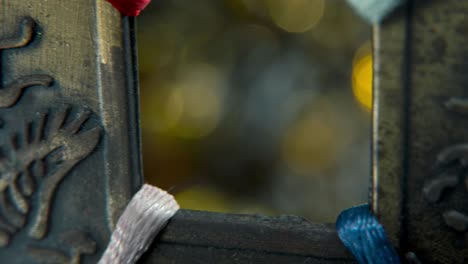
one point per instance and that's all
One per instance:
(365, 237)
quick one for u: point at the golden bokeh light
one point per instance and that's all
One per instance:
(153, 120)
(194, 103)
(311, 143)
(206, 198)
(307, 146)
(223, 134)
(189, 107)
(296, 16)
(362, 76)
(210, 198)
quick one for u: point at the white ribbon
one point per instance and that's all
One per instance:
(144, 217)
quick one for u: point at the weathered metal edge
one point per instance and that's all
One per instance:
(122, 102)
(207, 237)
(389, 121)
(131, 51)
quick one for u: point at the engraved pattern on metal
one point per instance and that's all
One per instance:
(78, 243)
(10, 94)
(36, 159)
(450, 168)
(42, 155)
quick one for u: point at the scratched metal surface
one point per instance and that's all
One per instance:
(69, 138)
(206, 237)
(420, 129)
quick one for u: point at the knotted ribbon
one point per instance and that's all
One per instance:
(130, 7)
(144, 217)
(365, 237)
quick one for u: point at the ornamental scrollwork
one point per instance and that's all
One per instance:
(36, 159)
(450, 169)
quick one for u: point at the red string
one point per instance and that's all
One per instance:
(130, 7)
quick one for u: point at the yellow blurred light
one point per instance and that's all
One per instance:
(311, 143)
(204, 198)
(209, 198)
(296, 15)
(362, 77)
(194, 103)
(153, 117)
(255, 7)
(174, 108)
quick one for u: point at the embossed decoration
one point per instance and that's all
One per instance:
(78, 242)
(42, 154)
(36, 159)
(450, 169)
(10, 93)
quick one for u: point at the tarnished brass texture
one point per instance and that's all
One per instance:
(69, 139)
(420, 137)
(70, 157)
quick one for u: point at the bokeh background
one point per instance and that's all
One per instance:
(257, 106)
